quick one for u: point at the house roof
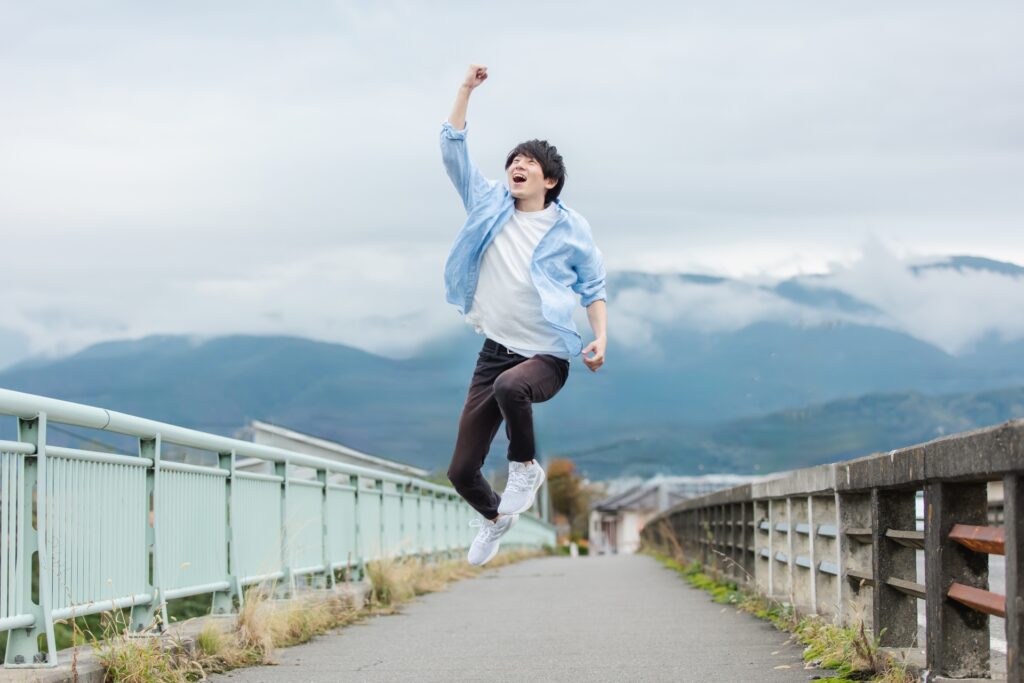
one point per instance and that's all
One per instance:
(335, 447)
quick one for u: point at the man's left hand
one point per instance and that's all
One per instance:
(597, 348)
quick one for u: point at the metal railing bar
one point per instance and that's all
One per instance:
(17, 447)
(101, 606)
(28, 406)
(316, 569)
(19, 621)
(312, 483)
(342, 564)
(97, 457)
(189, 591)
(192, 469)
(256, 476)
(260, 578)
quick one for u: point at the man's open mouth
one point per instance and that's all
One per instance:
(518, 177)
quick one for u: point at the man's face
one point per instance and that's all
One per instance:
(526, 179)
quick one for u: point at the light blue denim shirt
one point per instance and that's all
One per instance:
(565, 261)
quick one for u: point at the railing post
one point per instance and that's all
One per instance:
(790, 553)
(145, 616)
(734, 542)
(957, 636)
(705, 538)
(855, 558)
(1013, 516)
(771, 549)
(224, 601)
(357, 542)
(894, 612)
(378, 485)
(286, 588)
(841, 550)
(812, 554)
(749, 546)
(325, 520)
(23, 643)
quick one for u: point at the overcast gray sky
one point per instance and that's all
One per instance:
(197, 167)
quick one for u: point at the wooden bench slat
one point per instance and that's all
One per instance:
(857, 577)
(913, 588)
(982, 539)
(909, 539)
(979, 599)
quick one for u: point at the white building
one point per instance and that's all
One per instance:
(289, 439)
(616, 521)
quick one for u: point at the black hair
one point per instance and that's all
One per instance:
(550, 161)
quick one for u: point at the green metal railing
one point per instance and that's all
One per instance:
(85, 531)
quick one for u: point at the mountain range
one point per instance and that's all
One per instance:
(685, 398)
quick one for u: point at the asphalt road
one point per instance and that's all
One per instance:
(607, 618)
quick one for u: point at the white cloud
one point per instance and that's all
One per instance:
(724, 307)
(948, 308)
(952, 309)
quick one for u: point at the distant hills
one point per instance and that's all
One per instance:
(685, 398)
(636, 418)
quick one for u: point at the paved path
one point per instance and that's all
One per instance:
(617, 618)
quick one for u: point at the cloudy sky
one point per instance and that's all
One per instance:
(203, 168)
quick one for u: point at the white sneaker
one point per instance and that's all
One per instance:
(521, 490)
(488, 539)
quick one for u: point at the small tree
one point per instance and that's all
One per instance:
(570, 495)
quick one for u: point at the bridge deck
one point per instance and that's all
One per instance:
(589, 619)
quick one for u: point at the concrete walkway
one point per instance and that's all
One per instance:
(618, 618)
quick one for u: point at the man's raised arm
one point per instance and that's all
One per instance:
(464, 174)
(476, 75)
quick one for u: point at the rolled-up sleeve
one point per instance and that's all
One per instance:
(464, 174)
(590, 275)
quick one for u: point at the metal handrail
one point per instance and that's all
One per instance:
(28, 406)
(99, 531)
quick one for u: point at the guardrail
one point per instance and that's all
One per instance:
(841, 540)
(94, 531)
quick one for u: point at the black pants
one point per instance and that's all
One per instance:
(505, 385)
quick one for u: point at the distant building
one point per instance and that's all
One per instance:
(616, 521)
(280, 437)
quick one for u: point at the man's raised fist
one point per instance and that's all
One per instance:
(476, 75)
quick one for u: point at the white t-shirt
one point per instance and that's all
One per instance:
(506, 306)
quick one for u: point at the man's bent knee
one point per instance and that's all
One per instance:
(508, 388)
(461, 477)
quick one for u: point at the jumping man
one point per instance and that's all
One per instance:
(514, 271)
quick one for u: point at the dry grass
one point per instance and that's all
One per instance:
(140, 658)
(848, 650)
